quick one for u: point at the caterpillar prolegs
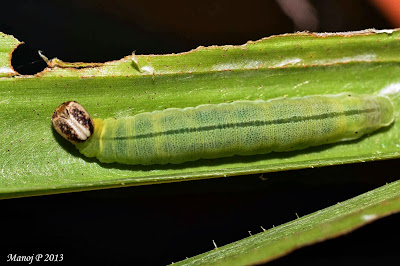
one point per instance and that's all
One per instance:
(221, 130)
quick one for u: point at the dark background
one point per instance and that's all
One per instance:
(165, 223)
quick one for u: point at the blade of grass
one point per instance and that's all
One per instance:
(321, 225)
(35, 160)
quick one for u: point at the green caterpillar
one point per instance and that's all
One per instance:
(213, 131)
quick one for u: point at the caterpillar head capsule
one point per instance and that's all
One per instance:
(73, 122)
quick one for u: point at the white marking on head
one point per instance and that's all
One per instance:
(81, 131)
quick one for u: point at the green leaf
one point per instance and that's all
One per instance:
(35, 160)
(7, 45)
(321, 225)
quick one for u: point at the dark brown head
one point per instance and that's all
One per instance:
(73, 122)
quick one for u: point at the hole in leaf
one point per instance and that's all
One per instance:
(26, 61)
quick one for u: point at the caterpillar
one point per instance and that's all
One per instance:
(220, 130)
